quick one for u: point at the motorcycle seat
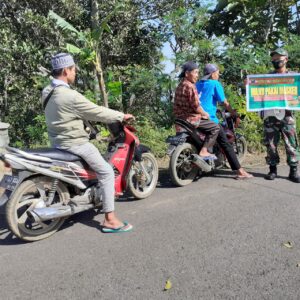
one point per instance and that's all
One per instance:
(185, 124)
(53, 153)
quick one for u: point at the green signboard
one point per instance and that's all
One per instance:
(273, 91)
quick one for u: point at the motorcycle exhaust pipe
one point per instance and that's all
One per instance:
(50, 213)
(201, 163)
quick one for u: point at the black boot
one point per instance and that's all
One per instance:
(272, 174)
(294, 174)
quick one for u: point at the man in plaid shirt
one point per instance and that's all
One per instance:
(186, 107)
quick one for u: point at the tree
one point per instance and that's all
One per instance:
(252, 22)
(88, 42)
(29, 39)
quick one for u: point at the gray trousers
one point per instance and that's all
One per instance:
(103, 169)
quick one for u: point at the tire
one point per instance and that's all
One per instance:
(221, 161)
(26, 197)
(241, 145)
(137, 185)
(181, 168)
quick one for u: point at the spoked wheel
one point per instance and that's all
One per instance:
(142, 185)
(181, 168)
(241, 145)
(29, 195)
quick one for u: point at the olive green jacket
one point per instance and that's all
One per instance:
(65, 113)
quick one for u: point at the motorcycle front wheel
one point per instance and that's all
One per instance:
(29, 195)
(141, 185)
(181, 168)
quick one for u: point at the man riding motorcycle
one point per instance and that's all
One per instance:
(186, 107)
(65, 111)
(211, 93)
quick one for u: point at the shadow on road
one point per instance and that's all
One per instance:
(262, 175)
(87, 218)
(166, 182)
(8, 239)
(164, 179)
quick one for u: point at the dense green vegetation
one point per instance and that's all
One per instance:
(118, 47)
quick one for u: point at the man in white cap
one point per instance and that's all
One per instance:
(65, 113)
(211, 93)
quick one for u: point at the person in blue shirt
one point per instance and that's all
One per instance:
(211, 93)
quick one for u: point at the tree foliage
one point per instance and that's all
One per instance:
(118, 47)
(254, 22)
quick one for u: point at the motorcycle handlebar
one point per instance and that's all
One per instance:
(128, 121)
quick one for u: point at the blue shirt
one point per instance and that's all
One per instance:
(210, 93)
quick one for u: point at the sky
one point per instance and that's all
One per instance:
(167, 52)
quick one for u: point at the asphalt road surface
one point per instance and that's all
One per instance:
(217, 238)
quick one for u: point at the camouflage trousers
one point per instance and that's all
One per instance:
(273, 129)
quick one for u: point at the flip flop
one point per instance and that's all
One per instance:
(209, 157)
(125, 228)
(243, 177)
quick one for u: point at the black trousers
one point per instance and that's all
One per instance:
(228, 150)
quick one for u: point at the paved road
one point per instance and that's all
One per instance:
(217, 238)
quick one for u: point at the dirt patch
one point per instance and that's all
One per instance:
(254, 159)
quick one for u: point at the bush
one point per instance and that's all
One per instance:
(37, 133)
(153, 137)
(251, 126)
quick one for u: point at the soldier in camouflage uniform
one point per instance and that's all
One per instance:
(280, 122)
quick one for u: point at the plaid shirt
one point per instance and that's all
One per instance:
(187, 102)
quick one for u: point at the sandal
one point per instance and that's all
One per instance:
(125, 228)
(242, 177)
(209, 157)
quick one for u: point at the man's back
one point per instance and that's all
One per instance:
(211, 92)
(65, 113)
(186, 103)
(65, 127)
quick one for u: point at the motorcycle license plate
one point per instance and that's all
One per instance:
(170, 150)
(9, 182)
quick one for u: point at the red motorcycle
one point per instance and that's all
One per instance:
(184, 167)
(48, 185)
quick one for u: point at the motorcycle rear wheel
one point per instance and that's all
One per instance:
(25, 198)
(181, 168)
(242, 148)
(137, 185)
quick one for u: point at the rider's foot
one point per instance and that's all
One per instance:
(205, 154)
(242, 174)
(114, 225)
(111, 221)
